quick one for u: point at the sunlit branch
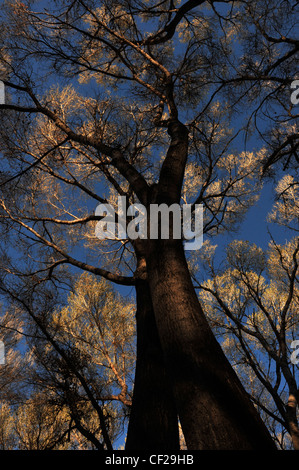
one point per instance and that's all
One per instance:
(127, 170)
(116, 278)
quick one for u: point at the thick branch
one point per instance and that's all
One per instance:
(168, 31)
(291, 140)
(173, 168)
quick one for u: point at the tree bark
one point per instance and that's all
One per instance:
(292, 423)
(214, 409)
(153, 424)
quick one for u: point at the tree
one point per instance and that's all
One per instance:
(256, 295)
(99, 132)
(12, 376)
(80, 361)
(259, 322)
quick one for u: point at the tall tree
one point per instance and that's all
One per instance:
(91, 90)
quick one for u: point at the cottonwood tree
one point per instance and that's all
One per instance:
(93, 378)
(78, 380)
(36, 424)
(256, 297)
(258, 300)
(13, 386)
(105, 100)
(13, 363)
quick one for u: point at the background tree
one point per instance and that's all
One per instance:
(78, 381)
(95, 127)
(255, 294)
(12, 374)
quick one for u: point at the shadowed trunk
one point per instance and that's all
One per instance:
(292, 422)
(214, 409)
(153, 423)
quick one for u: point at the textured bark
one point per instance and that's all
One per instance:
(292, 423)
(153, 424)
(214, 409)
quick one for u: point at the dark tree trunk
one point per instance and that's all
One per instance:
(291, 416)
(214, 409)
(153, 423)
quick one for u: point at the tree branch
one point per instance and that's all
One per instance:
(116, 278)
(128, 171)
(168, 31)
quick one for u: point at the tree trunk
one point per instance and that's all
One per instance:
(214, 410)
(153, 424)
(291, 412)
